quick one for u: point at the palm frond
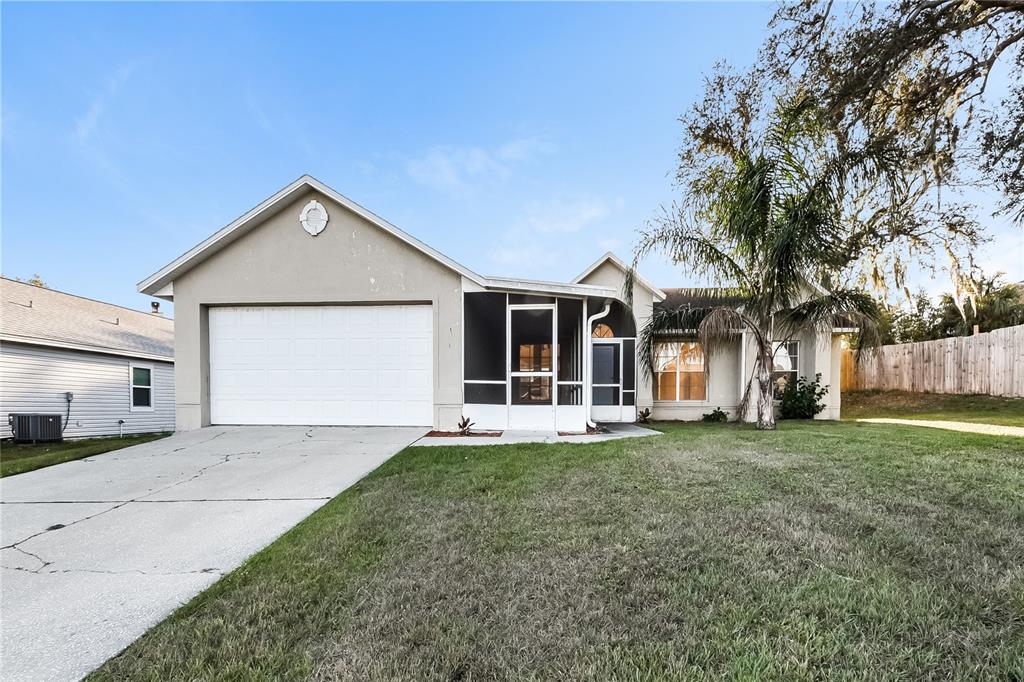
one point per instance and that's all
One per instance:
(839, 308)
(688, 247)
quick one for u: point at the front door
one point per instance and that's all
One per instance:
(607, 382)
(613, 384)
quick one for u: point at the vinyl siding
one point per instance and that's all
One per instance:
(35, 378)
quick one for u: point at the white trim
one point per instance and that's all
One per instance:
(553, 288)
(29, 341)
(531, 306)
(227, 234)
(132, 407)
(659, 295)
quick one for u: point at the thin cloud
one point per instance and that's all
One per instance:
(549, 234)
(87, 123)
(457, 169)
(524, 149)
(559, 215)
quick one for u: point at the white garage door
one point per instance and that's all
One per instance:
(335, 365)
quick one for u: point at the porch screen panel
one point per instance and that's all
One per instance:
(629, 365)
(483, 348)
(531, 341)
(570, 351)
(484, 339)
(485, 394)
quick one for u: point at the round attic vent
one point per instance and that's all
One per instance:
(313, 218)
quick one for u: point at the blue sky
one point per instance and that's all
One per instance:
(520, 140)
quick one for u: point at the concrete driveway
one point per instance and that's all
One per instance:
(95, 552)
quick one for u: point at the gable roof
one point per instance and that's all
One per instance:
(44, 317)
(610, 257)
(229, 233)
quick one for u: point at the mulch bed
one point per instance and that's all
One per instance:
(458, 434)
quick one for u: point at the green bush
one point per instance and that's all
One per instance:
(801, 399)
(716, 415)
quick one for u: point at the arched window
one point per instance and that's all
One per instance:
(602, 331)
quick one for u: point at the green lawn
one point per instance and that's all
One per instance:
(964, 408)
(820, 551)
(17, 459)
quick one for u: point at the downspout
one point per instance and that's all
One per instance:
(588, 390)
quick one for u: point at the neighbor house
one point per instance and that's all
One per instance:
(117, 363)
(309, 309)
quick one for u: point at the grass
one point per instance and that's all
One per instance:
(18, 459)
(982, 409)
(820, 551)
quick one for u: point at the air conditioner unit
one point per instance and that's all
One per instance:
(35, 427)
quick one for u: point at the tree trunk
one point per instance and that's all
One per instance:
(765, 399)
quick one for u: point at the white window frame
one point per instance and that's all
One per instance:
(796, 365)
(132, 407)
(680, 372)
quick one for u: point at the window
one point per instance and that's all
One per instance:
(784, 366)
(679, 371)
(141, 387)
(602, 331)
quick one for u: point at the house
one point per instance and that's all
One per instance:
(310, 309)
(117, 363)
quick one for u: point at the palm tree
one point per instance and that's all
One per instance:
(769, 224)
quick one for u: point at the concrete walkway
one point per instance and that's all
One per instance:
(615, 432)
(95, 552)
(968, 427)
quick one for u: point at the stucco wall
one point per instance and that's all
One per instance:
(277, 262)
(819, 353)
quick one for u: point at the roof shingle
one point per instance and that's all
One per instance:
(32, 314)
(699, 297)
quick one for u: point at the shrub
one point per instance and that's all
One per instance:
(801, 399)
(716, 415)
(643, 416)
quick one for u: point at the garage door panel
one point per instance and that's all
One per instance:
(337, 365)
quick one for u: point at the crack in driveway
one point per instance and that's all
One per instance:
(130, 569)
(202, 470)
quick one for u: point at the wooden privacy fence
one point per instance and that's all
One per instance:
(991, 363)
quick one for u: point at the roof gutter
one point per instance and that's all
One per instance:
(99, 350)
